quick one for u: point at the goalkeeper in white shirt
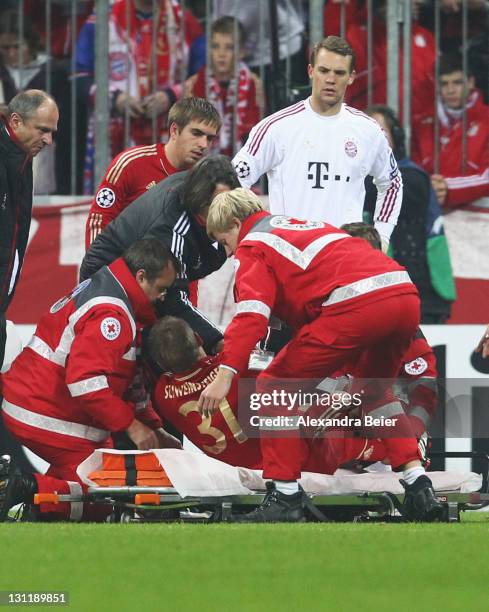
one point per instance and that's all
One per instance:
(318, 151)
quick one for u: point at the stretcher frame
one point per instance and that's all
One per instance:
(136, 504)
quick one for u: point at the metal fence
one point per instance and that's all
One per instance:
(78, 62)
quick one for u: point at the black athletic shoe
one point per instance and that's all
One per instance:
(277, 507)
(15, 487)
(420, 503)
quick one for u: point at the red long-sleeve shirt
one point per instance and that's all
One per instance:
(70, 380)
(291, 269)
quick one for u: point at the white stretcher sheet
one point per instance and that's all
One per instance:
(197, 475)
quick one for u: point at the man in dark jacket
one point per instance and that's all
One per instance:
(175, 211)
(418, 242)
(32, 119)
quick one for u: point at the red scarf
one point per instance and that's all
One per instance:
(170, 52)
(223, 98)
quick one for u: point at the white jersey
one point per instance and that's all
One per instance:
(317, 165)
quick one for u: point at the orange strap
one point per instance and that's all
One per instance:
(146, 461)
(144, 478)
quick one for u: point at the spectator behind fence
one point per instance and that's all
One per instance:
(193, 125)
(245, 100)
(451, 20)
(291, 26)
(60, 24)
(461, 179)
(418, 242)
(24, 66)
(131, 73)
(423, 53)
(318, 152)
(354, 12)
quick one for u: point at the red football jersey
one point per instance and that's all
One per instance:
(128, 176)
(175, 399)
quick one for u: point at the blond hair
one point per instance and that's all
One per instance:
(238, 203)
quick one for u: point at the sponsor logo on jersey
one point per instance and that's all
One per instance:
(416, 367)
(149, 185)
(64, 300)
(351, 148)
(105, 198)
(320, 172)
(294, 224)
(110, 328)
(242, 169)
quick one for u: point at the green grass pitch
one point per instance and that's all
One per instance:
(145, 567)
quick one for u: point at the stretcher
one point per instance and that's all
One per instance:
(197, 488)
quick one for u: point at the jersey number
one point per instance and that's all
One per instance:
(206, 428)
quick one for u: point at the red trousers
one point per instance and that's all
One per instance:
(62, 478)
(374, 336)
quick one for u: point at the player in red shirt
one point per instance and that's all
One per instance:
(194, 123)
(174, 348)
(345, 302)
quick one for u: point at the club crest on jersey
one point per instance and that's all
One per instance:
(110, 328)
(118, 65)
(351, 148)
(289, 223)
(242, 169)
(64, 300)
(416, 367)
(105, 198)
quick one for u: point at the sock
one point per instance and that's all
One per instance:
(411, 474)
(288, 487)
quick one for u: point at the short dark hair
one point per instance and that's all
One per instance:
(228, 25)
(394, 125)
(452, 62)
(193, 109)
(172, 345)
(365, 231)
(335, 44)
(26, 103)
(202, 179)
(150, 255)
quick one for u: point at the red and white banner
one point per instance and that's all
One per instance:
(467, 233)
(56, 249)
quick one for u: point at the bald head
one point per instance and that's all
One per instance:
(33, 118)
